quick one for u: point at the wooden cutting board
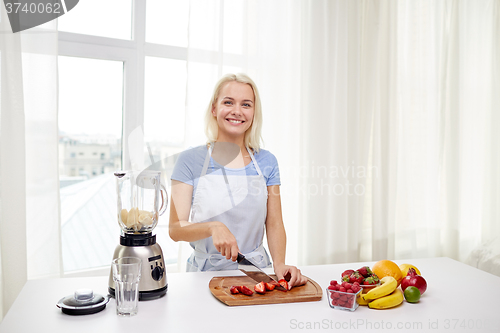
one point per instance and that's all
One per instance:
(219, 286)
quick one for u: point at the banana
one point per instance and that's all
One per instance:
(132, 218)
(361, 301)
(145, 219)
(124, 215)
(388, 301)
(387, 286)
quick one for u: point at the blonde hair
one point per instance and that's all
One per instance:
(253, 136)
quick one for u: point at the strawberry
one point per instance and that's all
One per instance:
(333, 283)
(371, 280)
(284, 283)
(356, 277)
(260, 287)
(347, 286)
(350, 291)
(234, 290)
(270, 286)
(245, 290)
(330, 287)
(348, 272)
(342, 289)
(365, 271)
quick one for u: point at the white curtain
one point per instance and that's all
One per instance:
(29, 197)
(434, 105)
(381, 115)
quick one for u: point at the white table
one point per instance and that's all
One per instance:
(459, 298)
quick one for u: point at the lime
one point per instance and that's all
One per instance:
(412, 294)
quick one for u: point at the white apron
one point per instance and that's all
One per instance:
(240, 202)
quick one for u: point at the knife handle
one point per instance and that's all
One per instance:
(240, 257)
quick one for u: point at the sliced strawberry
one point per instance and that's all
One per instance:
(234, 290)
(270, 286)
(283, 283)
(245, 290)
(260, 287)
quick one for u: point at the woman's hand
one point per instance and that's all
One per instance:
(290, 273)
(224, 241)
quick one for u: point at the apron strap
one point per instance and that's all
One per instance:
(254, 162)
(207, 160)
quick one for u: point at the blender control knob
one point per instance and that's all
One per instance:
(157, 273)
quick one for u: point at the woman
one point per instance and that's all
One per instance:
(231, 187)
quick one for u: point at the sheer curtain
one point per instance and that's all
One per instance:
(29, 199)
(381, 115)
(434, 105)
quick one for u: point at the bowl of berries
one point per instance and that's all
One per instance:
(344, 295)
(363, 276)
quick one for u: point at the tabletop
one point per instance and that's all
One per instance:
(459, 298)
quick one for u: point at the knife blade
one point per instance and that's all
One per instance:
(255, 273)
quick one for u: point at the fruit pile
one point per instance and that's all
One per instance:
(380, 285)
(259, 288)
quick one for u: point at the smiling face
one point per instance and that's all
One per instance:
(234, 110)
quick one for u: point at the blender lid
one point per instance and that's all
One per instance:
(83, 302)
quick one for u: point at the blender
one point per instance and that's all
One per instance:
(141, 200)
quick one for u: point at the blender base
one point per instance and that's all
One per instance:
(146, 295)
(153, 283)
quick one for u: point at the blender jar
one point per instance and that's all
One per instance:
(141, 200)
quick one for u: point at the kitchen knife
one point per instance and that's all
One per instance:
(255, 273)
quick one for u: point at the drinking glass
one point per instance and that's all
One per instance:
(126, 275)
